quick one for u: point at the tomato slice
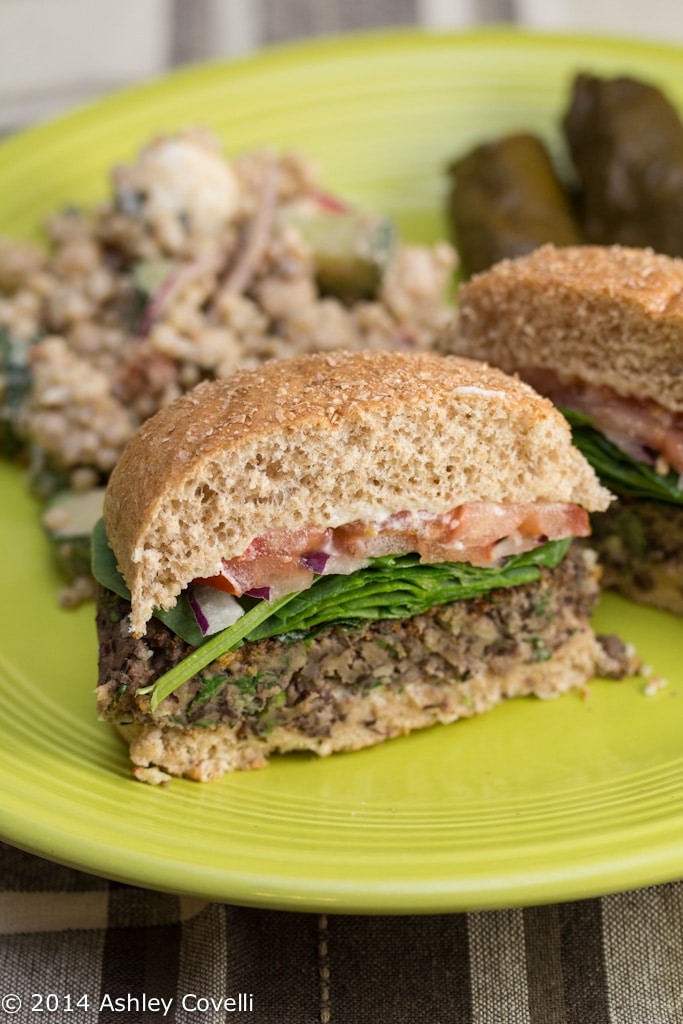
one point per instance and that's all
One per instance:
(219, 582)
(630, 423)
(281, 562)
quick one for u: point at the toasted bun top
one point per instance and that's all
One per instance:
(609, 315)
(324, 440)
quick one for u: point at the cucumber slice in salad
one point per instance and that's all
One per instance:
(68, 520)
(351, 248)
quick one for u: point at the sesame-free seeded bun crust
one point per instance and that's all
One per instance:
(324, 440)
(608, 315)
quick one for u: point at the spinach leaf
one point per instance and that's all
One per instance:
(398, 587)
(393, 587)
(617, 470)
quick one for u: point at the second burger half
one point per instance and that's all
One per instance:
(599, 330)
(337, 549)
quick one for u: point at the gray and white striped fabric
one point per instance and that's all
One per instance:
(96, 952)
(206, 28)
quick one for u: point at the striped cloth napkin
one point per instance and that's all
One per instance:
(76, 949)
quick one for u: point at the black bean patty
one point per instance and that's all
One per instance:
(262, 684)
(640, 545)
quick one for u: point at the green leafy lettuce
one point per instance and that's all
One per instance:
(617, 470)
(393, 587)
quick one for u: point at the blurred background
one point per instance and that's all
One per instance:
(58, 53)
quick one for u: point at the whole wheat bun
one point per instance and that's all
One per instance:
(609, 315)
(324, 440)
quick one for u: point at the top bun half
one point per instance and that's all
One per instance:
(325, 440)
(611, 316)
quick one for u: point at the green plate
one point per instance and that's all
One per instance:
(533, 802)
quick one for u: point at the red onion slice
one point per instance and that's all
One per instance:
(213, 609)
(315, 561)
(631, 447)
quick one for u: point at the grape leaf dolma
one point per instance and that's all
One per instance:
(505, 199)
(626, 142)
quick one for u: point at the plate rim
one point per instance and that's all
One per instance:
(390, 898)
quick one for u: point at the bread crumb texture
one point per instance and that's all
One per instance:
(324, 440)
(609, 315)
